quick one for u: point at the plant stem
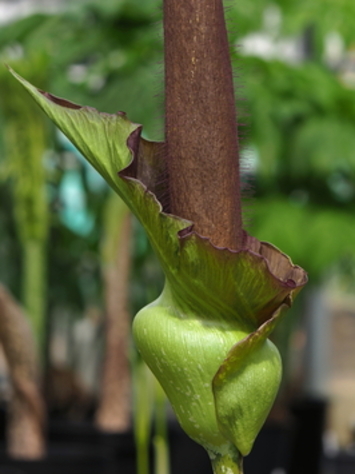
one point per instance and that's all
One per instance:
(161, 441)
(26, 414)
(34, 287)
(229, 462)
(201, 126)
(114, 411)
(142, 415)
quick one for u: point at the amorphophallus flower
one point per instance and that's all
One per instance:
(206, 337)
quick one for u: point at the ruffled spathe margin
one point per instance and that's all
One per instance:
(247, 286)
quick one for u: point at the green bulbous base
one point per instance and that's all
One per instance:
(185, 353)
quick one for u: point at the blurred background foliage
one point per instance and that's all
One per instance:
(106, 55)
(299, 144)
(302, 131)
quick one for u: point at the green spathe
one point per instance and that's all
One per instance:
(197, 363)
(205, 338)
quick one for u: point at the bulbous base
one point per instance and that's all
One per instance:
(220, 397)
(185, 354)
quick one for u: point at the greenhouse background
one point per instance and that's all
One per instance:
(61, 228)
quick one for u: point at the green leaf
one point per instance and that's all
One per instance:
(101, 138)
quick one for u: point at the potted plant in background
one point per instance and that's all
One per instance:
(26, 418)
(24, 347)
(111, 235)
(26, 426)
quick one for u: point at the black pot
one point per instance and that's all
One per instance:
(271, 451)
(2, 423)
(78, 448)
(119, 447)
(294, 447)
(341, 463)
(61, 460)
(307, 446)
(186, 456)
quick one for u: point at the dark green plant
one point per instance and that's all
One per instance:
(26, 140)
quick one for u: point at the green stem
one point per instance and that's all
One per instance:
(142, 457)
(161, 442)
(113, 413)
(143, 415)
(228, 462)
(34, 287)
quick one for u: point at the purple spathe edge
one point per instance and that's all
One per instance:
(187, 233)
